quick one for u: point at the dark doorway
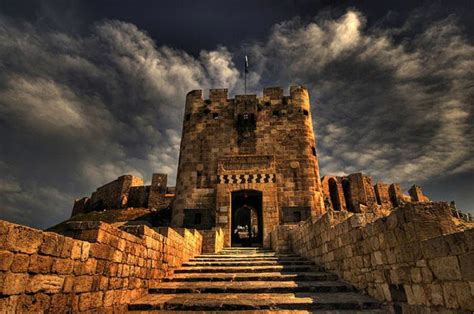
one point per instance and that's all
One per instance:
(346, 187)
(334, 193)
(247, 219)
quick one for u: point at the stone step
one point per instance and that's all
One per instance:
(263, 255)
(240, 248)
(272, 276)
(245, 269)
(251, 287)
(237, 251)
(256, 301)
(247, 263)
(263, 258)
(246, 258)
(244, 253)
(373, 311)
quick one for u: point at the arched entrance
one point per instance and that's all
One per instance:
(247, 218)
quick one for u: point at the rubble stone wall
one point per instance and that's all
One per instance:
(418, 257)
(98, 268)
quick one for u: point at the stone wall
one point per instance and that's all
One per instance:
(138, 196)
(128, 191)
(356, 193)
(213, 240)
(419, 257)
(115, 193)
(98, 268)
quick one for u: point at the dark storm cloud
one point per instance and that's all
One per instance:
(79, 110)
(398, 111)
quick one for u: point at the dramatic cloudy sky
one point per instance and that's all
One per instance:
(90, 90)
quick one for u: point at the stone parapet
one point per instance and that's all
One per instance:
(213, 240)
(419, 258)
(95, 267)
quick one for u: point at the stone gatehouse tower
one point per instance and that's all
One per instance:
(247, 162)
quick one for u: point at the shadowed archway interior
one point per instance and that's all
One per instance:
(247, 218)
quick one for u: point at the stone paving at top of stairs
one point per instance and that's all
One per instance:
(252, 279)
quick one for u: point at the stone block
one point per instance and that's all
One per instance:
(83, 283)
(45, 283)
(109, 298)
(63, 266)
(85, 250)
(436, 247)
(469, 235)
(52, 244)
(463, 296)
(37, 303)
(14, 283)
(76, 249)
(466, 262)
(23, 239)
(419, 295)
(40, 264)
(8, 304)
(101, 251)
(426, 274)
(449, 294)
(456, 243)
(6, 259)
(445, 268)
(20, 263)
(68, 284)
(60, 303)
(409, 294)
(435, 292)
(85, 302)
(66, 249)
(88, 267)
(416, 275)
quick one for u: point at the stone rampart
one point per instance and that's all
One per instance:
(419, 257)
(96, 267)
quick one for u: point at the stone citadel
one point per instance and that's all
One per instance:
(250, 225)
(249, 161)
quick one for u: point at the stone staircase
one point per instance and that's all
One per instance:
(253, 279)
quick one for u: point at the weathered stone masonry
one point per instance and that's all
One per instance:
(419, 257)
(128, 191)
(101, 268)
(357, 193)
(247, 144)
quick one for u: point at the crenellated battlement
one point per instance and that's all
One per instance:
(297, 92)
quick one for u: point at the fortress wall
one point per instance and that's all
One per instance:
(80, 206)
(98, 268)
(356, 193)
(138, 196)
(418, 257)
(115, 193)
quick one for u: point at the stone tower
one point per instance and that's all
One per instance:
(247, 164)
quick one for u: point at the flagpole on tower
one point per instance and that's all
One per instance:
(246, 70)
